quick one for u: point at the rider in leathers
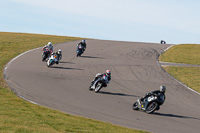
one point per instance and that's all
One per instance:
(49, 46)
(98, 75)
(59, 55)
(83, 44)
(156, 92)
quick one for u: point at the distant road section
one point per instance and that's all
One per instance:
(178, 64)
(135, 71)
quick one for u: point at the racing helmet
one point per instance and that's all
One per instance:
(162, 88)
(83, 41)
(59, 51)
(108, 72)
(49, 43)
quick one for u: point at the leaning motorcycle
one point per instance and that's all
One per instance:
(46, 53)
(52, 60)
(79, 51)
(99, 83)
(149, 104)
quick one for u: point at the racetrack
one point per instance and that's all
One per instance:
(135, 71)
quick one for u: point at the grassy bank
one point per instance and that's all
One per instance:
(17, 115)
(190, 76)
(188, 54)
(184, 53)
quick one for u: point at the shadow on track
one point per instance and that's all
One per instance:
(177, 116)
(66, 62)
(65, 68)
(119, 94)
(91, 57)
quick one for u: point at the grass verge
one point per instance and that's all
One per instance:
(184, 53)
(17, 115)
(187, 54)
(190, 76)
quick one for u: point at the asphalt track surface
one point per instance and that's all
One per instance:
(135, 71)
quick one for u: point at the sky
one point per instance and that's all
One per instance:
(175, 21)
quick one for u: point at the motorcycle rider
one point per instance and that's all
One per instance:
(98, 75)
(83, 44)
(59, 55)
(162, 42)
(49, 46)
(156, 92)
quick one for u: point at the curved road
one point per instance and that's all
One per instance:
(135, 71)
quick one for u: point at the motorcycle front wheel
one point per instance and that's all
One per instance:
(43, 57)
(151, 107)
(90, 88)
(135, 105)
(49, 63)
(98, 87)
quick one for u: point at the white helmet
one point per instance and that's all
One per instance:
(59, 51)
(83, 41)
(162, 88)
(49, 44)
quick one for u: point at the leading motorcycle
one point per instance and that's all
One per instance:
(149, 104)
(79, 51)
(46, 53)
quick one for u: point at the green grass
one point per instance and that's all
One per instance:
(187, 54)
(190, 76)
(184, 53)
(17, 115)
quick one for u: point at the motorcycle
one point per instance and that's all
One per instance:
(149, 104)
(79, 50)
(46, 53)
(52, 60)
(99, 83)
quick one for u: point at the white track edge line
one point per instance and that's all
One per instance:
(5, 70)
